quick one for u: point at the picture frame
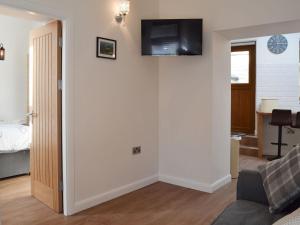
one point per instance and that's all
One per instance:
(106, 48)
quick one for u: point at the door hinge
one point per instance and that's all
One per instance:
(61, 186)
(60, 42)
(60, 85)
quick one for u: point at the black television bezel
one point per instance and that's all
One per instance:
(158, 20)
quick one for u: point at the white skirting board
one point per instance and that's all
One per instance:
(192, 184)
(220, 183)
(115, 193)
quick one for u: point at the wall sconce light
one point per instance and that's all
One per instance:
(2, 52)
(124, 9)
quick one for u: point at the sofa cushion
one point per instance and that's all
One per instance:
(281, 180)
(247, 213)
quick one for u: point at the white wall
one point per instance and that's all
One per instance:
(110, 106)
(14, 70)
(278, 75)
(194, 97)
(116, 101)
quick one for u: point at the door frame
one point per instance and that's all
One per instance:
(252, 81)
(69, 206)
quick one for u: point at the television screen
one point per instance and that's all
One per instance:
(172, 37)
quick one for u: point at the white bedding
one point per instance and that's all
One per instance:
(14, 138)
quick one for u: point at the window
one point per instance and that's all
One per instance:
(240, 62)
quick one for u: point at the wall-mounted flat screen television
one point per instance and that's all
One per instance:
(172, 37)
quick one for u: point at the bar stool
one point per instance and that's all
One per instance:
(280, 118)
(297, 123)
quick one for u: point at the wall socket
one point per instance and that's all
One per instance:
(136, 150)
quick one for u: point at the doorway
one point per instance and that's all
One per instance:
(243, 88)
(38, 168)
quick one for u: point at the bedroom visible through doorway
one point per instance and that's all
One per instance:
(31, 107)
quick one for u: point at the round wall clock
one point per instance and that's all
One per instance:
(277, 44)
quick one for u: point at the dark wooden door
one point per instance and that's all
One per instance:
(243, 88)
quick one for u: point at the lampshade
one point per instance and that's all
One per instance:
(124, 7)
(2, 52)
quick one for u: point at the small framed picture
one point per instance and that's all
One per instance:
(106, 48)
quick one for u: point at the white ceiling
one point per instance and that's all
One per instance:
(8, 11)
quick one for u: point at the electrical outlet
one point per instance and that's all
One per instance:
(136, 150)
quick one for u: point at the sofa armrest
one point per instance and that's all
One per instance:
(250, 187)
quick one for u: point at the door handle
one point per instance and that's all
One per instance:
(32, 114)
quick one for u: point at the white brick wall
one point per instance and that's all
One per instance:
(279, 81)
(278, 76)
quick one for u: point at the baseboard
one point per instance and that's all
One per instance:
(115, 193)
(187, 183)
(220, 183)
(195, 185)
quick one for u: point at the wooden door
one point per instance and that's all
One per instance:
(243, 88)
(46, 155)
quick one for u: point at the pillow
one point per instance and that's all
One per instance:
(14, 122)
(281, 180)
(291, 219)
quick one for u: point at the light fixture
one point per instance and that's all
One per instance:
(124, 9)
(2, 52)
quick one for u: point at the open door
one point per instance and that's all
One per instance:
(46, 150)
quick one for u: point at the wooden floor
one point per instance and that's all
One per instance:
(250, 163)
(158, 204)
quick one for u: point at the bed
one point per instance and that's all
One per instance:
(15, 142)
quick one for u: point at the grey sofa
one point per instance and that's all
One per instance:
(251, 206)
